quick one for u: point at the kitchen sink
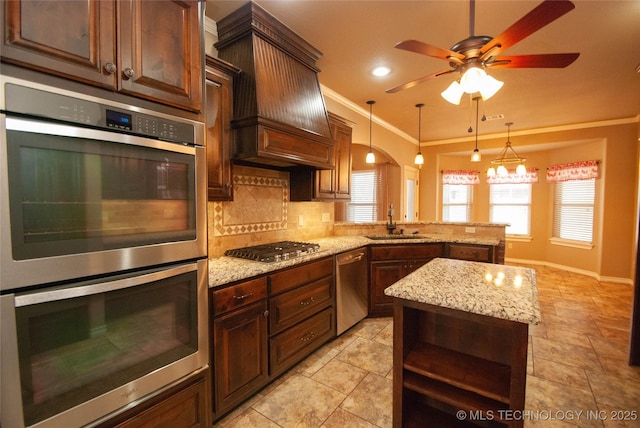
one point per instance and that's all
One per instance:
(386, 237)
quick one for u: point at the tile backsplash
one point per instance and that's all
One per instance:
(261, 212)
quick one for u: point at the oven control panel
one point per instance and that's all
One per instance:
(96, 114)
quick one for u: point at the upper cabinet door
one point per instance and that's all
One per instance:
(161, 52)
(71, 38)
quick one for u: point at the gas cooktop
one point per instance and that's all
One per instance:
(274, 252)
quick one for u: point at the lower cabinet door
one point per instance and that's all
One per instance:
(292, 345)
(240, 355)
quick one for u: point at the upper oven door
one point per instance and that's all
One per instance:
(78, 202)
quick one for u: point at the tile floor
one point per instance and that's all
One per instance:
(577, 368)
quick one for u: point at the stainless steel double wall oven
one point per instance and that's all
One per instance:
(102, 253)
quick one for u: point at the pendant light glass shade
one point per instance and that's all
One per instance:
(419, 160)
(476, 156)
(473, 80)
(371, 158)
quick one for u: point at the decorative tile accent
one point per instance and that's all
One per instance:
(260, 205)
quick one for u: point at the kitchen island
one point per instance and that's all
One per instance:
(460, 343)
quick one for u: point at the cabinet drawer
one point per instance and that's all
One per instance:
(470, 252)
(294, 277)
(288, 308)
(399, 252)
(239, 295)
(296, 343)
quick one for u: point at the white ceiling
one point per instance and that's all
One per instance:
(355, 36)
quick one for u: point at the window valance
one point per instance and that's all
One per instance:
(584, 170)
(452, 176)
(531, 176)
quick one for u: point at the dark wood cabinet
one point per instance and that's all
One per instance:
(182, 406)
(447, 360)
(263, 326)
(390, 263)
(146, 49)
(471, 252)
(327, 184)
(218, 111)
(301, 310)
(240, 327)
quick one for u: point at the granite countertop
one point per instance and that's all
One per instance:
(223, 270)
(499, 291)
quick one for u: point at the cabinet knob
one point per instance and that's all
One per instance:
(266, 314)
(110, 68)
(128, 72)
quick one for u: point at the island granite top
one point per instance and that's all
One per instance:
(499, 291)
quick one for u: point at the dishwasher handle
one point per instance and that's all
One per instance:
(350, 258)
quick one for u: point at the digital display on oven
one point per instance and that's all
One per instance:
(116, 119)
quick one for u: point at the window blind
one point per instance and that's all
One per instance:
(511, 204)
(362, 207)
(457, 200)
(573, 210)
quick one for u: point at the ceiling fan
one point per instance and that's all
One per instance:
(479, 52)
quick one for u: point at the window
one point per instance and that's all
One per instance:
(456, 202)
(362, 207)
(573, 208)
(511, 204)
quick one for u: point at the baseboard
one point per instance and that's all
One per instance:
(617, 280)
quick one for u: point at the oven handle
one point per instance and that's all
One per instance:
(62, 130)
(91, 288)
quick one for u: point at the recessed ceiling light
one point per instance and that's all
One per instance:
(381, 71)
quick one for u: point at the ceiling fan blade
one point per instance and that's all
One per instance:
(534, 61)
(417, 81)
(429, 50)
(544, 14)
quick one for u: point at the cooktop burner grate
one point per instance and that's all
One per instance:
(274, 252)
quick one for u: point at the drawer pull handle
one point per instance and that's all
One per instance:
(307, 337)
(307, 302)
(244, 296)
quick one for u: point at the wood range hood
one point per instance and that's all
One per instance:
(280, 118)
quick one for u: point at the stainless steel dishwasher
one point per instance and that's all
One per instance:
(352, 282)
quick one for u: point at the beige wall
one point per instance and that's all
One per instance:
(614, 146)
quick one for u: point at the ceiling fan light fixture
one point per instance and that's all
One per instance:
(453, 93)
(472, 80)
(490, 86)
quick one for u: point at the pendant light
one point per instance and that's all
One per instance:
(475, 156)
(507, 156)
(371, 158)
(419, 160)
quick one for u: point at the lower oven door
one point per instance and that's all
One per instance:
(71, 355)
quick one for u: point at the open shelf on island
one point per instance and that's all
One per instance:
(476, 375)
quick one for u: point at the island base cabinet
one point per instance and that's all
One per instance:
(457, 368)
